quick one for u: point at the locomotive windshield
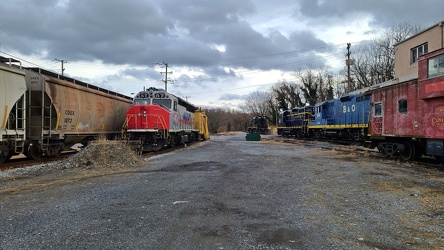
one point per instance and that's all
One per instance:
(141, 101)
(163, 102)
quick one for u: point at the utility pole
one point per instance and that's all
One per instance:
(186, 98)
(348, 67)
(166, 74)
(62, 61)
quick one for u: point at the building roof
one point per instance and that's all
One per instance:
(419, 33)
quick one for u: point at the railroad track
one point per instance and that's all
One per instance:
(21, 161)
(360, 148)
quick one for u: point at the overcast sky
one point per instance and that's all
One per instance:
(218, 51)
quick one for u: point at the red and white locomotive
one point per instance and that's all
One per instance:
(159, 119)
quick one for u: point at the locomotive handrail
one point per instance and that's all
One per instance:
(159, 120)
(162, 121)
(122, 133)
(302, 113)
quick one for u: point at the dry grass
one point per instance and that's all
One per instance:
(231, 133)
(273, 130)
(101, 139)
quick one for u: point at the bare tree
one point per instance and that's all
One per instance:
(310, 84)
(280, 95)
(225, 120)
(374, 61)
(294, 98)
(273, 110)
(329, 90)
(287, 95)
(325, 84)
(256, 103)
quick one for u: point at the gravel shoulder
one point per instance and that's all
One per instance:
(228, 193)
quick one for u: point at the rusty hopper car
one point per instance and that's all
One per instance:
(57, 113)
(63, 111)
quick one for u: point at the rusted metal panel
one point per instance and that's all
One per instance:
(77, 109)
(86, 111)
(393, 120)
(433, 110)
(424, 118)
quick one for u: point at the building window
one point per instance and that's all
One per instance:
(435, 66)
(402, 106)
(378, 109)
(417, 52)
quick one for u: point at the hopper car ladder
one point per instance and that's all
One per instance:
(40, 119)
(17, 123)
(20, 124)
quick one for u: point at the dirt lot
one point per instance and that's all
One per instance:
(226, 193)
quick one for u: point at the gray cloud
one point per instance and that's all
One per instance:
(231, 97)
(384, 13)
(216, 37)
(145, 32)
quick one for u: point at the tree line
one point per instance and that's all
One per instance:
(372, 62)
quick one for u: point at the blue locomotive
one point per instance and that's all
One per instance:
(346, 118)
(295, 122)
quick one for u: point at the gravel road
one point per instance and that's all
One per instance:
(229, 193)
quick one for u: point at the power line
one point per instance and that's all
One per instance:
(251, 86)
(18, 41)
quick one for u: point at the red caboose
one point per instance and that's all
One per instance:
(408, 117)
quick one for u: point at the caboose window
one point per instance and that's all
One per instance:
(378, 109)
(435, 66)
(402, 106)
(418, 51)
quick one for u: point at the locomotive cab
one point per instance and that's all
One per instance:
(158, 119)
